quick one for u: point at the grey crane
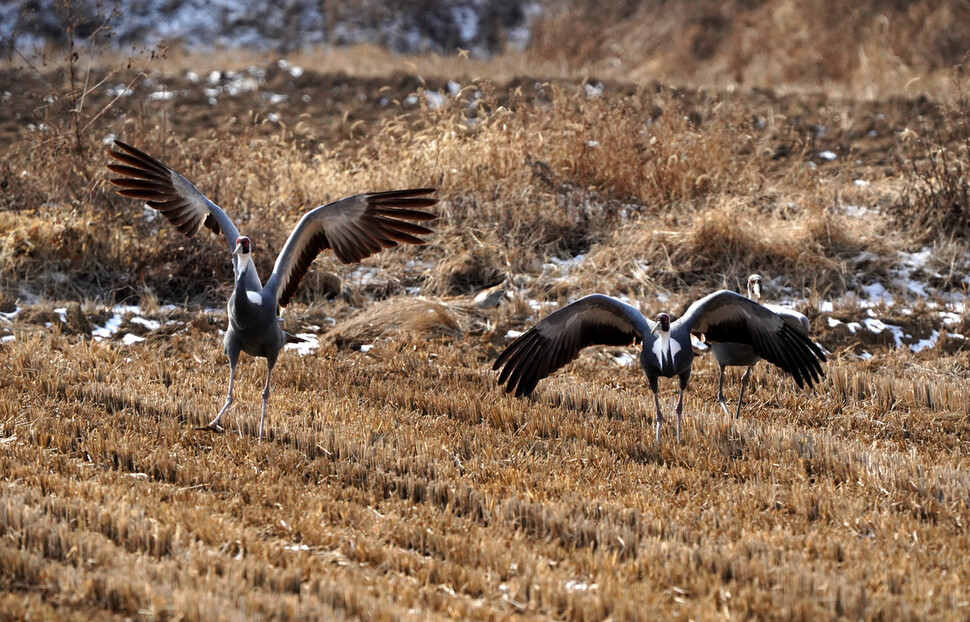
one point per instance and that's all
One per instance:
(597, 319)
(354, 228)
(743, 355)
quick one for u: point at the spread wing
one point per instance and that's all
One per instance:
(728, 317)
(143, 177)
(355, 227)
(557, 339)
(796, 319)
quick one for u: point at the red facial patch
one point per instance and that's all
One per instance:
(243, 241)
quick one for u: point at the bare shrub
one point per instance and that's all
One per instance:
(936, 199)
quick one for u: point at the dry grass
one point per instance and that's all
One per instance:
(403, 478)
(400, 482)
(873, 50)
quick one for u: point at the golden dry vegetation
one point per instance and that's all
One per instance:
(398, 481)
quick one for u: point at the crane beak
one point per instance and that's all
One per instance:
(655, 329)
(238, 250)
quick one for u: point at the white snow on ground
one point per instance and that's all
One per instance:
(876, 294)
(366, 347)
(435, 99)
(113, 325)
(565, 266)
(119, 90)
(593, 90)
(363, 275)
(878, 326)
(110, 327)
(162, 96)
(922, 344)
(827, 155)
(7, 338)
(625, 359)
(949, 318)
(10, 316)
(149, 324)
(306, 347)
(274, 99)
(513, 334)
(294, 70)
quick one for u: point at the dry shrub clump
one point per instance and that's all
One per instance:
(415, 316)
(557, 168)
(937, 195)
(872, 47)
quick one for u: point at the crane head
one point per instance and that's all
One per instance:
(754, 287)
(662, 325)
(243, 246)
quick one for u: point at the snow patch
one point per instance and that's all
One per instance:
(435, 99)
(625, 359)
(305, 347)
(130, 338)
(857, 211)
(110, 328)
(878, 326)
(929, 342)
(161, 96)
(149, 324)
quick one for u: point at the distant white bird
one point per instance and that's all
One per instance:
(723, 316)
(354, 228)
(742, 354)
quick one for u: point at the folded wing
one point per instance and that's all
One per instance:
(558, 338)
(355, 227)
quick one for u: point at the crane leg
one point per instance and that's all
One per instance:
(233, 354)
(684, 378)
(262, 417)
(680, 413)
(660, 415)
(214, 424)
(744, 383)
(720, 393)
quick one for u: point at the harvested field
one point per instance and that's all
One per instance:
(396, 479)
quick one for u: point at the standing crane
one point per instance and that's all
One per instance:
(722, 316)
(743, 355)
(354, 228)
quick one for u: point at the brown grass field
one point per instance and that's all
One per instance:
(399, 481)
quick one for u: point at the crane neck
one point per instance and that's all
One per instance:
(244, 262)
(665, 348)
